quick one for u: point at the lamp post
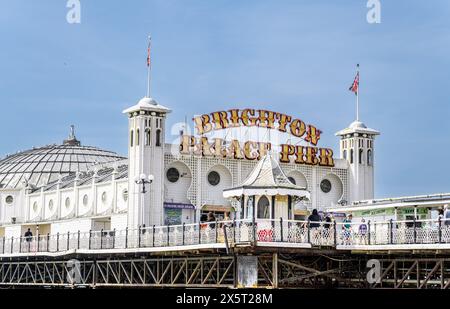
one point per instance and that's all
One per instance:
(143, 180)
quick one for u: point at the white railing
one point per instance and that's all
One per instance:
(400, 232)
(239, 231)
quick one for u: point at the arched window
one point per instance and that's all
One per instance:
(131, 138)
(360, 157)
(158, 138)
(344, 154)
(148, 137)
(351, 155)
(137, 137)
(263, 208)
(369, 157)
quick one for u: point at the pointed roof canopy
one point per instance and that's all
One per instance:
(267, 178)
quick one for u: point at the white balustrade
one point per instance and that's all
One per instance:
(239, 231)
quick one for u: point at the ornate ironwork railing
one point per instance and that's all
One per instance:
(232, 232)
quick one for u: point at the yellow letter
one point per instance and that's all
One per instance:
(286, 152)
(263, 149)
(266, 119)
(187, 142)
(313, 135)
(283, 121)
(234, 117)
(298, 128)
(311, 156)
(235, 149)
(326, 157)
(299, 155)
(246, 120)
(203, 124)
(206, 147)
(220, 119)
(248, 150)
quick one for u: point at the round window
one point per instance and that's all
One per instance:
(213, 178)
(67, 202)
(173, 174)
(104, 197)
(9, 199)
(35, 206)
(125, 195)
(291, 179)
(50, 204)
(325, 186)
(85, 200)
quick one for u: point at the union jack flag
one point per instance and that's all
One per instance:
(355, 85)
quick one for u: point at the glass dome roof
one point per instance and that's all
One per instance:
(39, 166)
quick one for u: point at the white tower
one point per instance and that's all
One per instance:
(146, 143)
(357, 147)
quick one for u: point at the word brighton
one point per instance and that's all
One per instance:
(259, 118)
(251, 150)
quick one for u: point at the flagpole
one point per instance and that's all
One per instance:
(357, 94)
(149, 66)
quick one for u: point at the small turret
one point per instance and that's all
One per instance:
(71, 139)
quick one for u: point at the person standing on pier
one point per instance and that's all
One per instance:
(347, 228)
(446, 215)
(211, 220)
(28, 235)
(326, 229)
(314, 219)
(363, 232)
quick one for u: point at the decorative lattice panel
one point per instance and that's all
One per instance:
(200, 192)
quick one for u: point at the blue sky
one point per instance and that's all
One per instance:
(292, 56)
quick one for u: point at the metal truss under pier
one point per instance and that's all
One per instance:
(262, 269)
(248, 267)
(418, 273)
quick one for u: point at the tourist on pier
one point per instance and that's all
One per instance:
(314, 224)
(347, 228)
(446, 215)
(203, 220)
(28, 235)
(226, 218)
(314, 219)
(211, 218)
(363, 231)
(440, 217)
(326, 235)
(328, 222)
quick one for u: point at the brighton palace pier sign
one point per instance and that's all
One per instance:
(252, 150)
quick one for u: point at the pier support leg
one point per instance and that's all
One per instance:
(275, 270)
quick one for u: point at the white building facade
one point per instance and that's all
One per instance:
(69, 187)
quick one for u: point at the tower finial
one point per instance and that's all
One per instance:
(71, 139)
(72, 132)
